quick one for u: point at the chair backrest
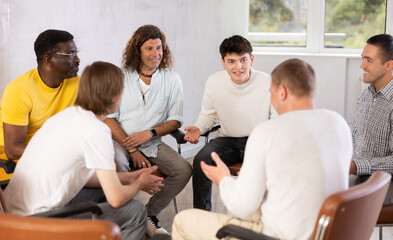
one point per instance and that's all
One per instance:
(352, 214)
(18, 227)
(32, 228)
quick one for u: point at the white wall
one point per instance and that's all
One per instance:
(194, 29)
(338, 78)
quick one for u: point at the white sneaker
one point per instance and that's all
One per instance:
(153, 228)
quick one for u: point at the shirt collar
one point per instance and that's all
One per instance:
(386, 91)
(136, 75)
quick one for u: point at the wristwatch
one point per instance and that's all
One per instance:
(153, 133)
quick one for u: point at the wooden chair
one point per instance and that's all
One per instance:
(39, 226)
(350, 214)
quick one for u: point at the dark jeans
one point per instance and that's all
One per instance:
(230, 150)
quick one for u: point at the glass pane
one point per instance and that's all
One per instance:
(278, 23)
(349, 23)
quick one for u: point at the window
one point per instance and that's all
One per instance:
(317, 25)
(278, 23)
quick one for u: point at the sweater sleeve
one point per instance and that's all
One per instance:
(208, 114)
(244, 195)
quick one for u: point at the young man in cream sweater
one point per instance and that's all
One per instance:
(238, 99)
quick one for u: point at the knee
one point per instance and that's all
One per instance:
(182, 223)
(137, 209)
(180, 218)
(202, 156)
(183, 170)
(187, 169)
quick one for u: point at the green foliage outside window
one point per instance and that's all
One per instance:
(359, 20)
(355, 20)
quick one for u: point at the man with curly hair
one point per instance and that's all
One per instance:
(151, 107)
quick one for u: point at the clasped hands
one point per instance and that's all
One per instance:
(131, 143)
(149, 182)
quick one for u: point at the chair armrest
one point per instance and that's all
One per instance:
(214, 128)
(71, 210)
(241, 233)
(179, 136)
(8, 165)
(235, 168)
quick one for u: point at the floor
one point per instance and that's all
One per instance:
(387, 234)
(184, 201)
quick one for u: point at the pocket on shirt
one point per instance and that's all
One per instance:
(160, 104)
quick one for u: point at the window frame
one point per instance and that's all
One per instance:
(316, 31)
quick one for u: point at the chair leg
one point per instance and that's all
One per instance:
(179, 148)
(175, 205)
(380, 233)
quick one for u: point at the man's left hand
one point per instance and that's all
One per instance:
(215, 173)
(137, 139)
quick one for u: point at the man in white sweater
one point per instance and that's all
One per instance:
(291, 164)
(239, 99)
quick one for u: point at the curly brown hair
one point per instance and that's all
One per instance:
(132, 52)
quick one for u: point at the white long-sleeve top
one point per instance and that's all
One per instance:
(238, 108)
(291, 164)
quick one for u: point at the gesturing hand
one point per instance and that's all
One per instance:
(215, 173)
(192, 134)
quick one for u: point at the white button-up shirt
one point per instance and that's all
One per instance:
(165, 103)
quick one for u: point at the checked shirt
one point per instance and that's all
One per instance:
(372, 129)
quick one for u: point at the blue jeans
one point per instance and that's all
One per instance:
(230, 150)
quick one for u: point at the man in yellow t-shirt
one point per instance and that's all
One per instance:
(29, 100)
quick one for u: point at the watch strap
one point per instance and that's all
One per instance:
(153, 132)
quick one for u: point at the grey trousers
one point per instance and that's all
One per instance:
(131, 218)
(169, 162)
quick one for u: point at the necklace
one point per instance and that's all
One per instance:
(144, 93)
(145, 75)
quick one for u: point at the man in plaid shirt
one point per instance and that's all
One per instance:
(372, 123)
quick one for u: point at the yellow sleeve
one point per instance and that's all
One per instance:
(16, 105)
